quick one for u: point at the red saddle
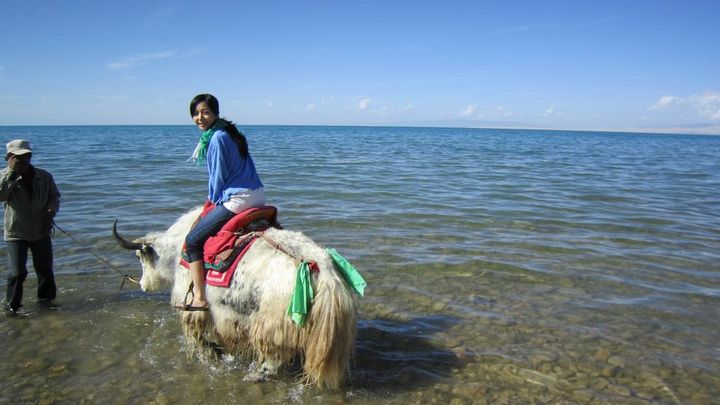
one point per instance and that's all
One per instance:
(223, 251)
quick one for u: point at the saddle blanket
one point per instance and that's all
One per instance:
(223, 251)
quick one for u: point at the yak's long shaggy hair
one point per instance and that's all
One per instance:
(251, 315)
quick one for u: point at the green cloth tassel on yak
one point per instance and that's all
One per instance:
(303, 293)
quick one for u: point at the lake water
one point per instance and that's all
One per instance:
(504, 266)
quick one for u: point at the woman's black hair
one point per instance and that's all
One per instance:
(231, 129)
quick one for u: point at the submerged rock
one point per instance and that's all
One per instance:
(602, 354)
(616, 361)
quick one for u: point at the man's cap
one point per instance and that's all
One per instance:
(19, 147)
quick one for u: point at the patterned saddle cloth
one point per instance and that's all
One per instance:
(222, 252)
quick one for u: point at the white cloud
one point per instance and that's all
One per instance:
(468, 110)
(364, 104)
(664, 102)
(269, 104)
(141, 59)
(310, 107)
(498, 113)
(549, 112)
(705, 105)
(708, 105)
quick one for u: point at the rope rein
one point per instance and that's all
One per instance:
(275, 244)
(272, 242)
(125, 276)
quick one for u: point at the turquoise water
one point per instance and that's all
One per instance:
(516, 266)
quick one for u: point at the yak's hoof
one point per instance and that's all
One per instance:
(260, 373)
(255, 376)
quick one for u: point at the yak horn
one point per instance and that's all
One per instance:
(122, 242)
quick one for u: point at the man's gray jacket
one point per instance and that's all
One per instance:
(26, 213)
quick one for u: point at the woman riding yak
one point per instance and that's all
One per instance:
(233, 185)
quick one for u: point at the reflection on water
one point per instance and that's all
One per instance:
(503, 267)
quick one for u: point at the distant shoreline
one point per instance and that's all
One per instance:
(714, 131)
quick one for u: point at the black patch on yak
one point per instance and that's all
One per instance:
(248, 305)
(251, 304)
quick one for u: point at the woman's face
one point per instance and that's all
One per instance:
(204, 117)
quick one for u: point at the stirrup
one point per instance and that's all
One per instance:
(191, 293)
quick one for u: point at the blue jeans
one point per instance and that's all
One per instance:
(205, 228)
(42, 256)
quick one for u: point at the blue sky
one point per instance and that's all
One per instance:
(596, 65)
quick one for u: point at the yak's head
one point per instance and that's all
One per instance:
(153, 277)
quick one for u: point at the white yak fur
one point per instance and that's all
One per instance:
(251, 315)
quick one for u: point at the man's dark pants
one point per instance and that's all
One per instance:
(42, 262)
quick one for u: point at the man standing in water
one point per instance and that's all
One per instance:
(31, 200)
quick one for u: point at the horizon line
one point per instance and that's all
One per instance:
(648, 131)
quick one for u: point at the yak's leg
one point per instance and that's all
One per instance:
(263, 371)
(196, 326)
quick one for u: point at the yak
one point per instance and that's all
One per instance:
(250, 316)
